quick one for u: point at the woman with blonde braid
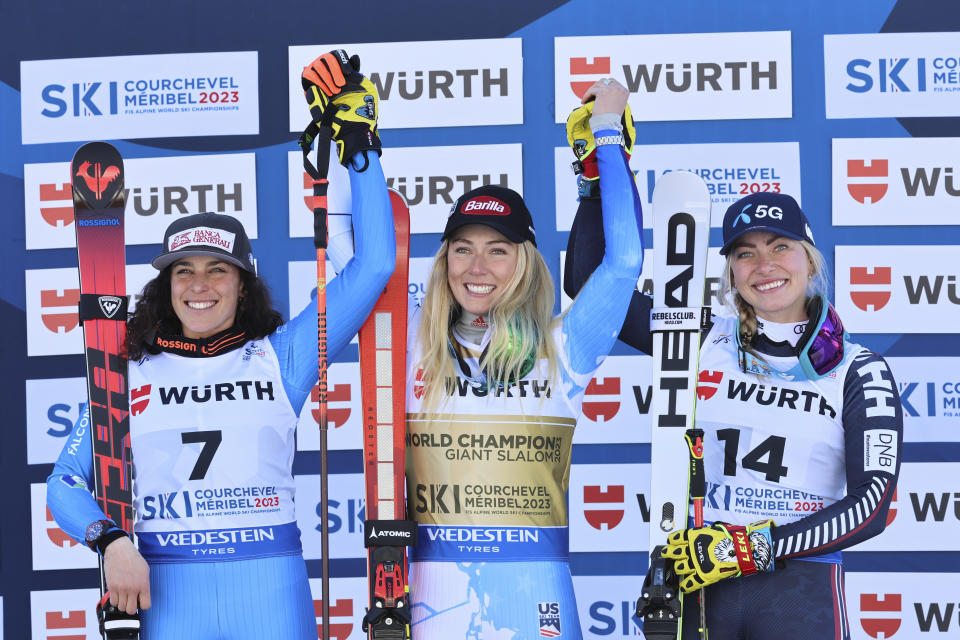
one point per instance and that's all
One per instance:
(802, 432)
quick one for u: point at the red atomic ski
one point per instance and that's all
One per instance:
(387, 532)
(98, 203)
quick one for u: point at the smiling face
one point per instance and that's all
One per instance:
(771, 273)
(205, 293)
(480, 262)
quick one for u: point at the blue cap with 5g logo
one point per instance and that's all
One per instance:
(776, 212)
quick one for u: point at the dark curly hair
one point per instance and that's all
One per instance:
(154, 312)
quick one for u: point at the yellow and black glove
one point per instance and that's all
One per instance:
(581, 140)
(346, 101)
(710, 554)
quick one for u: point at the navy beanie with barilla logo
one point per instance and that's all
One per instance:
(206, 234)
(496, 207)
(775, 212)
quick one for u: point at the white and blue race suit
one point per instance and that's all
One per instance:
(487, 471)
(212, 442)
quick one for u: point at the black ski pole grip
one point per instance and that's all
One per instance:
(116, 624)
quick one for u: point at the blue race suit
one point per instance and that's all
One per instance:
(487, 471)
(220, 537)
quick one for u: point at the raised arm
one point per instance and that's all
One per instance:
(352, 293)
(345, 104)
(585, 248)
(592, 323)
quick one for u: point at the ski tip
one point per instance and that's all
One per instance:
(681, 188)
(98, 149)
(97, 176)
(685, 180)
(397, 199)
(401, 211)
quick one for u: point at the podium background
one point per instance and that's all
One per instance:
(496, 81)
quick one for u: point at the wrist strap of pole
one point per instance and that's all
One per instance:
(321, 132)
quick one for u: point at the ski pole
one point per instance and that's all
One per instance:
(318, 174)
(698, 491)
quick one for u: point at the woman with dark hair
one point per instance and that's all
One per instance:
(154, 314)
(217, 382)
(802, 439)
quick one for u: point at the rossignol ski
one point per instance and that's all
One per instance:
(681, 229)
(98, 203)
(387, 532)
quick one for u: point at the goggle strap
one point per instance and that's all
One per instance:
(816, 311)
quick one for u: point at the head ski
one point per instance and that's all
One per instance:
(681, 229)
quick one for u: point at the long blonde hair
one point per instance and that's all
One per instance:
(521, 321)
(819, 282)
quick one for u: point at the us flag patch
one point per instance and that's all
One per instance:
(549, 614)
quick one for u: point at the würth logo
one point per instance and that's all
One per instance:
(707, 384)
(341, 608)
(887, 603)
(598, 67)
(711, 75)
(218, 392)
(867, 192)
(57, 535)
(878, 277)
(601, 519)
(599, 410)
(58, 199)
(892, 511)
(337, 416)
(485, 205)
(55, 321)
(139, 399)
